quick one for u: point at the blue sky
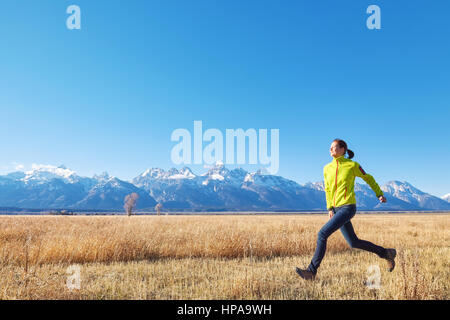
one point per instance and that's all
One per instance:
(108, 96)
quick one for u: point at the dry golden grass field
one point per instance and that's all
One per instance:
(218, 257)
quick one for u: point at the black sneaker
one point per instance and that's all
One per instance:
(390, 257)
(305, 274)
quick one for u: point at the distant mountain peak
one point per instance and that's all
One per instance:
(43, 173)
(153, 173)
(217, 172)
(185, 172)
(401, 187)
(219, 163)
(60, 170)
(172, 173)
(103, 175)
(315, 185)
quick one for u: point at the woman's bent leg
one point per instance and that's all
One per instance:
(349, 235)
(342, 216)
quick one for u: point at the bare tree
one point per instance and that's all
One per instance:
(130, 202)
(158, 208)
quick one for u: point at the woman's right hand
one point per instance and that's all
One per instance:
(330, 214)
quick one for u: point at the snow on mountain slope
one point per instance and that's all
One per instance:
(315, 185)
(110, 193)
(446, 197)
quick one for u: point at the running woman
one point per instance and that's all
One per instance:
(339, 182)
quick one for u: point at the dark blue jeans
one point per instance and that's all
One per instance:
(341, 220)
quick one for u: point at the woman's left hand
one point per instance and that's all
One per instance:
(382, 199)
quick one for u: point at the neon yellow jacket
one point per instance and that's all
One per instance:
(339, 180)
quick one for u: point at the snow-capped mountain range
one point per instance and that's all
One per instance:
(50, 187)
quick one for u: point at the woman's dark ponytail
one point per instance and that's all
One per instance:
(350, 153)
(343, 144)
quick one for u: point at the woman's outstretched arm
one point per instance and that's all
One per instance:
(359, 172)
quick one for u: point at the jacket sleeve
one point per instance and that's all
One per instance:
(359, 172)
(327, 190)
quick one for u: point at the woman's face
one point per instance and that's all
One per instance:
(335, 150)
